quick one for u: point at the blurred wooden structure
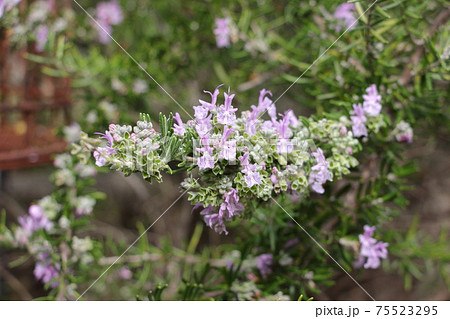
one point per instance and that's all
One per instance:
(32, 106)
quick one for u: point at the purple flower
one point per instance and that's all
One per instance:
(319, 173)
(244, 159)
(35, 221)
(371, 104)
(205, 161)
(101, 153)
(272, 111)
(211, 106)
(222, 32)
(285, 145)
(226, 111)
(201, 112)
(267, 126)
(273, 177)
(345, 15)
(231, 206)
(264, 103)
(108, 137)
(41, 38)
(358, 120)
(213, 220)
(203, 126)
(264, 263)
(251, 177)
(179, 127)
(291, 118)
(46, 271)
(228, 148)
(371, 250)
(251, 124)
(108, 14)
(283, 127)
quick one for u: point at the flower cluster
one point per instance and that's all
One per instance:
(35, 220)
(222, 32)
(371, 107)
(108, 14)
(47, 271)
(239, 158)
(371, 250)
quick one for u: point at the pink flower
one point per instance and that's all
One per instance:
(226, 111)
(222, 32)
(228, 151)
(358, 120)
(205, 161)
(244, 159)
(108, 14)
(178, 128)
(371, 104)
(201, 112)
(46, 271)
(372, 251)
(319, 173)
(213, 220)
(251, 176)
(125, 273)
(264, 103)
(203, 126)
(35, 221)
(345, 15)
(273, 177)
(211, 106)
(101, 153)
(231, 206)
